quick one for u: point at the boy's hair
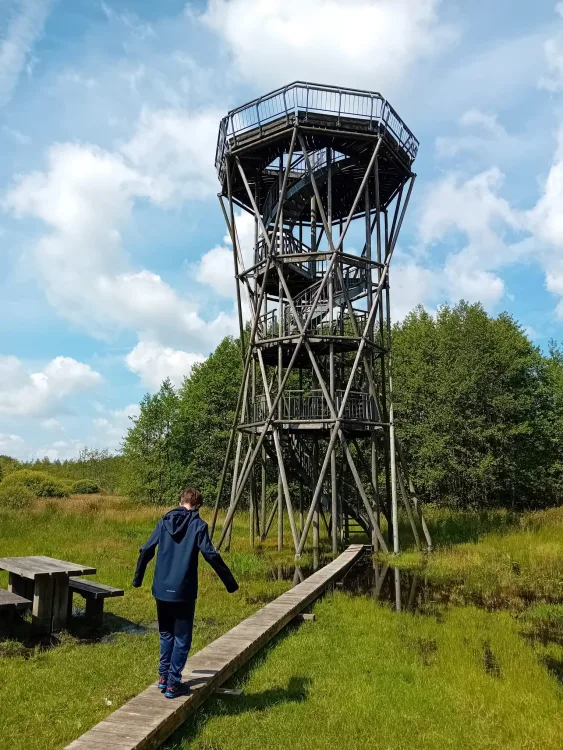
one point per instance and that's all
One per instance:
(190, 496)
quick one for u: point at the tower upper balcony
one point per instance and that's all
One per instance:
(347, 121)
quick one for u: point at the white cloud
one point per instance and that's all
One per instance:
(553, 48)
(547, 217)
(411, 285)
(463, 280)
(13, 445)
(111, 428)
(17, 44)
(473, 209)
(16, 135)
(60, 450)
(216, 267)
(370, 43)
(76, 78)
(154, 363)
(177, 152)
(52, 424)
(131, 21)
(546, 221)
(472, 206)
(531, 333)
(481, 134)
(28, 394)
(85, 197)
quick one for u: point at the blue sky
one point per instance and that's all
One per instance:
(116, 269)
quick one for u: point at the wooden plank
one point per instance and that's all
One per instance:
(34, 565)
(305, 617)
(20, 566)
(149, 719)
(20, 586)
(9, 600)
(42, 612)
(60, 602)
(229, 692)
(93, 588)
(71, 568)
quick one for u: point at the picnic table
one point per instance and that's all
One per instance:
(45, 581)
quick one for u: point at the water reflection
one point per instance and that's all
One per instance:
(404, 590)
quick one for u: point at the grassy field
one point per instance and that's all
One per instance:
(484, 671)
(48, 697)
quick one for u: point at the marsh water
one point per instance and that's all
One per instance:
(401, 589)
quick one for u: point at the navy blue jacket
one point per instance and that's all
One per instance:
(180, 535)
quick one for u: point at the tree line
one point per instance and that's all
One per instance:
(479, 412)
(99, 466)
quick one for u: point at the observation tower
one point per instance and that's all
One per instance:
(327, 175)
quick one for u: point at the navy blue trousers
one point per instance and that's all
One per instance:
(175, 625)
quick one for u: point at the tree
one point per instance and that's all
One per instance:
(207, 403)
(479, 411)
(474, 408)
(156, 459)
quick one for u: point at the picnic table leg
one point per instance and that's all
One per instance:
(69, 605)
(60, 602)
(42, 612)
(20, 586)
(95, 612)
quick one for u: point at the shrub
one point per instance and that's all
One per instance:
(8, 465)
(85, 487)
(15, 496)
(40, 483)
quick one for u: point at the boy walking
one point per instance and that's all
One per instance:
(180, 535)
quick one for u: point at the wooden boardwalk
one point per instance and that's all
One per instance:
(147, 720)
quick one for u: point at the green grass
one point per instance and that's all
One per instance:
(49, 697)
(364, 676)
(360, 675)
(510, 560)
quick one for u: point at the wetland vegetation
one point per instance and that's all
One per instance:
(473, 659)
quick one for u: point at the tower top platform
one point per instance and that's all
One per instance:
(347, 121)
(344, 109)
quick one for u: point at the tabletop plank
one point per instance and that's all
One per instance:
(9, 599)
(71, 568)
(36, 565)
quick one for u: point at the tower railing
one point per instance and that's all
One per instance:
(299, 100)
(341, 326)
(310, 405)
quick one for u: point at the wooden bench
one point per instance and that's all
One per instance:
(95, 593)
(11, 603)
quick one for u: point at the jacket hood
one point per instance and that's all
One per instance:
(177, 521)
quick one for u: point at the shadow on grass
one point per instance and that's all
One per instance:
(555, 668)
(297, 691)
(17, 638)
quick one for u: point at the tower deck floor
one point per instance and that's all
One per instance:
(319, 427)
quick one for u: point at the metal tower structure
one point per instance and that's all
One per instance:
(327, 175)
